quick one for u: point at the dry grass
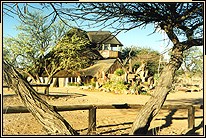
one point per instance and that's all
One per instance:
(109, 121)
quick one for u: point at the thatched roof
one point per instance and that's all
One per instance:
(65, 73)
(103, 37)
(92, 54)
(99, 66)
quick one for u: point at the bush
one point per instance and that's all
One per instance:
(116, 86)
(119, 72)
(72, 84)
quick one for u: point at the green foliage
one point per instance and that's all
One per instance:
(72, 84)
(152, 67)
(179, 72)
(129, 51)
(193, 62)
(119, 72)
(136, 65)
(70, 52)
(142, 91)
(115, 86)
(151, 58)
(93, 82)
(143, 55)
(156, 77)
(40, 48)
(29, 49)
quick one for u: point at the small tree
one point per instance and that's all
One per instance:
(119, 72)
(71, 53)
(30, 47)
(149, 57)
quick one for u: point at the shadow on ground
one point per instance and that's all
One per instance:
(154, 131)
(168, 123)
(193, 131)
(112, 130)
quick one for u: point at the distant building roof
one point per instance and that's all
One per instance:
(103, 37)
(99, 66)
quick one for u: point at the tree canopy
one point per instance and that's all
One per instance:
(40, 49)
(140, 55)
(28, 49)
(71, 53)
(193, 62)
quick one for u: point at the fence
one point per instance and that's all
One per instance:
(92, 111)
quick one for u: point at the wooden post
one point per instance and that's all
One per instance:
(191, 117)
(92, 121)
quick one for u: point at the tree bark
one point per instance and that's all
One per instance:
(154, 104)
(45, 114)
(130, 65)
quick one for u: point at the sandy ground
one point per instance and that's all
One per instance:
(109, 121)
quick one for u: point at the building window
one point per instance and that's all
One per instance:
(106, 47)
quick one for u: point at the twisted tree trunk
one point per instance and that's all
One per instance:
(154, 104)
(46, 114)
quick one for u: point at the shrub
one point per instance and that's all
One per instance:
(119, 72)
(117, 86)
(72, 84)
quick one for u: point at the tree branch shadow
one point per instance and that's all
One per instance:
(169, 118)
(168, 123)
(113, 130)
(193, 131)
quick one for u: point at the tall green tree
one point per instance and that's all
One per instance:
(71, 53)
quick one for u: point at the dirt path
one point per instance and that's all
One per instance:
(109, 121)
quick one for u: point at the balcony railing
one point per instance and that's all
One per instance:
(110, 54)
